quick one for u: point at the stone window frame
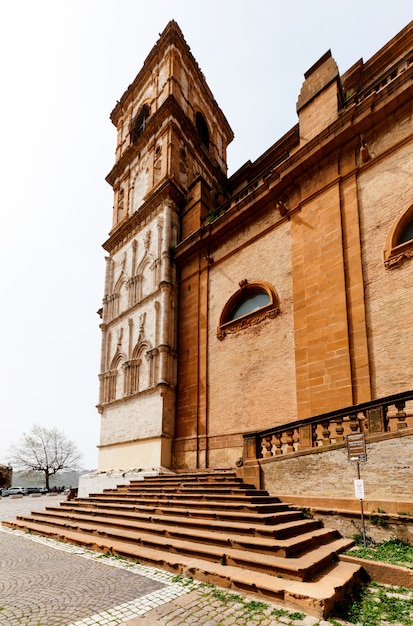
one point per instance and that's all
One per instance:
(253, 318)
(202, 129)
(139, 122)
(396, 254)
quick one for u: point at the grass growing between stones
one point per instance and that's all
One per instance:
(249, 609)
(376, 605)
(394, 551)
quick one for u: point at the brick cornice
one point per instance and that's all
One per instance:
(354, 121)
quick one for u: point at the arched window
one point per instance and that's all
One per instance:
(202, 129)
(139, 124)
(406, 234)
(252, 301)
(399, 243)
(251, 304)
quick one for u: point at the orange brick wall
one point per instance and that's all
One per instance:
(385, 191)
(251, 372)
(343, 335)
(247, 379)
(188, 355)
(360, 366)
(314, 119)
(322, 355)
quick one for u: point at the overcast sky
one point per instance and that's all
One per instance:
(64, 64)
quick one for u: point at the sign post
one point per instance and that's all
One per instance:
(356, 448)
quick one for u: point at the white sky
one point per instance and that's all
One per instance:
(64, 64)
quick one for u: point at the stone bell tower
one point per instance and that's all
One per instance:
(171, 137)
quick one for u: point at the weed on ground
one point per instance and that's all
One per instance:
(249, 609)
(394, 551)
(376, 605)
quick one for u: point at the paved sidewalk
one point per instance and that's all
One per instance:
(49, 583)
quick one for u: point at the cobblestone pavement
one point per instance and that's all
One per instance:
(49, 583)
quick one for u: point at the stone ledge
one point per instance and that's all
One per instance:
(351, 506)
(383, 573)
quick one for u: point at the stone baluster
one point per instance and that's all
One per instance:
(401, 415)
(277, 444)
(318, 434)
(339, 430)
(354, 422)
(296, 439)
(266, 446)
(289, 433)
(326, 433)
(363, 422)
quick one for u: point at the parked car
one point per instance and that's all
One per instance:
(15, 490)
(29, 490)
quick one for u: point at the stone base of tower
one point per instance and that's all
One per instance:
(121, 463)
(144, 453)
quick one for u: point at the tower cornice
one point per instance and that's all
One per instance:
(166, 114)
(171, 36)
(168, 191)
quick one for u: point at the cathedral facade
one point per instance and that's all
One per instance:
(280, 293)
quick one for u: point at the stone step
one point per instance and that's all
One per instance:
(214, 476)
(202, 495)
(287, 547)
(156, 480)
(302, 567)
(259, 528)
(258, 505)
(242, 490)
(212, 526)
(252, 515)
(316, 597)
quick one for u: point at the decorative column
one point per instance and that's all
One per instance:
(165, 285)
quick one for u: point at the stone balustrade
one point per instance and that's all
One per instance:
(385, 415)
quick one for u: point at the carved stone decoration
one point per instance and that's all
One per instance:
(147, 240)
(120, 336)
(242, 324)
(396, 261)
(157, 170)
(142, 318)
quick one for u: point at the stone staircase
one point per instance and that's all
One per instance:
(213, 527)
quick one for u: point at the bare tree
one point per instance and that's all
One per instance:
(45, 450)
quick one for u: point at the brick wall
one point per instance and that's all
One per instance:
(320, 309)
(388, 473)
(251, 372)
(385, 192)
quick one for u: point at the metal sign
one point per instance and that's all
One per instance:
(356, 447)
(359, 489)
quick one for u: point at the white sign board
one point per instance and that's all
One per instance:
(359, 489)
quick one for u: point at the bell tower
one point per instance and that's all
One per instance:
(171, 136)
